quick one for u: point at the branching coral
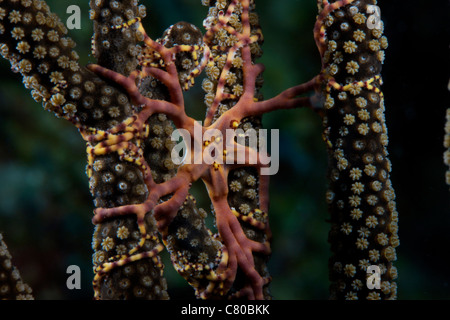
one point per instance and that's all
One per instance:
(128, 105)
(115, 181)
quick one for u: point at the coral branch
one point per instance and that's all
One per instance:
(136, 244)
(12, 286)
(360, 196)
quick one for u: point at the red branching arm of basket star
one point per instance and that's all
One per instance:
(238, 248)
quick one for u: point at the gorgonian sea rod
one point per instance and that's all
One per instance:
(127, 106)
(361, 198)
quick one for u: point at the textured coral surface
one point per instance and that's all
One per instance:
(361, 196)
